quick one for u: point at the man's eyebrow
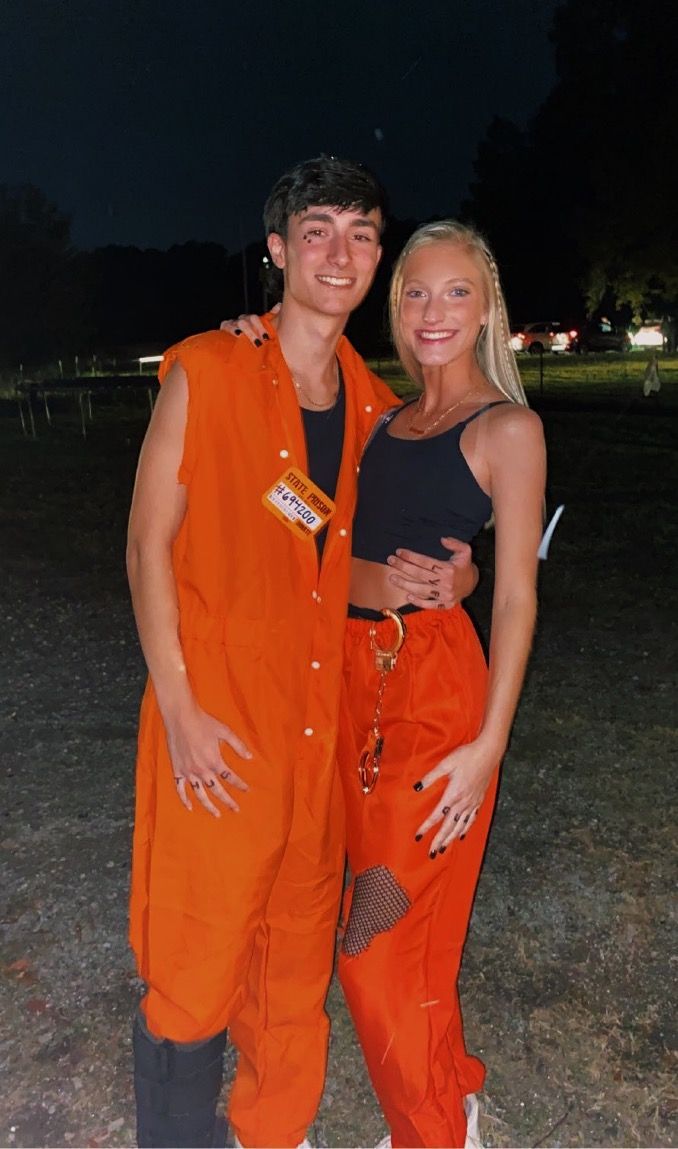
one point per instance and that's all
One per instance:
(325, 217)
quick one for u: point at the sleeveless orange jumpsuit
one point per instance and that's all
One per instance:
(233, 920)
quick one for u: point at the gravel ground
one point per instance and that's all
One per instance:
(568, 979)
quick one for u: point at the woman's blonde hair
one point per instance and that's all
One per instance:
(493, 350)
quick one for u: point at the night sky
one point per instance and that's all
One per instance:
(154, 122)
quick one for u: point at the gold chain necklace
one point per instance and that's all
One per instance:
(429, 426)
(321, 406)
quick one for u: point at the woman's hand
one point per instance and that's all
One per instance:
(468, 770)
(435, 583)
(250, 326)
(194, 739)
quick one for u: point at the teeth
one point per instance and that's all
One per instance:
(335, 281)
(433, 335)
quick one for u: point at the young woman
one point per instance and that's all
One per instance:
(418, 812)
(424, 721)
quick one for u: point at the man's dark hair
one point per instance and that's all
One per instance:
(324, 180)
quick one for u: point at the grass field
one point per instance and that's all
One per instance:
(593, 378)
(567, 983)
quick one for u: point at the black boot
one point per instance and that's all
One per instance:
(177, 1088)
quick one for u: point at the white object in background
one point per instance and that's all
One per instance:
(543, 552)
(651, 380)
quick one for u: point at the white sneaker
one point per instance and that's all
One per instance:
(471, 1108)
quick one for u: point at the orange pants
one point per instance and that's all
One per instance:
(407, 914)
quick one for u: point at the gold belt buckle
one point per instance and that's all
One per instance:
(385, 659)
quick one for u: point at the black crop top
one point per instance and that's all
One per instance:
(413, 492)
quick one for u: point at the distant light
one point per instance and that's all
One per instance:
(649, 336)
(144, 360)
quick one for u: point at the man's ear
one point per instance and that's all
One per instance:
(276, 246)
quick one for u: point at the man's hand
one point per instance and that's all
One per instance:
(249, 325)
(432, 583)
(194, 739)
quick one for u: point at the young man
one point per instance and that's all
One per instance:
(238, 560)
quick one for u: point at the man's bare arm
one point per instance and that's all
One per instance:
(158, 509)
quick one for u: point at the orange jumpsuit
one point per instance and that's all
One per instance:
(407, 914)
(233, 919)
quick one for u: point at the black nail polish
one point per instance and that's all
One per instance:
(461, 837)
(257, 342)
(418, 837)
(433, 854)
(441, 849)
(237, 331)
(418, 786)
(467, 817)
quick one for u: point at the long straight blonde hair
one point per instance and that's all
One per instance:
(493, 350)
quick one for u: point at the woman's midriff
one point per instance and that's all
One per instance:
(371, 586)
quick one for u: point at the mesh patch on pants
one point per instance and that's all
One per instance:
(378, 904)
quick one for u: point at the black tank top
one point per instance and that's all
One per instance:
(324, 444)
(413, 492)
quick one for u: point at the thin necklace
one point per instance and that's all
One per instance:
(429, 426)
(328, 403)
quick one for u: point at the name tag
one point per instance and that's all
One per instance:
(299, 503)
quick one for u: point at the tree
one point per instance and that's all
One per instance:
(584, 200)
(41, 307)
(616, 105)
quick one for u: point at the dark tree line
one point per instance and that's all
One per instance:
(119, 302)
(56, 302)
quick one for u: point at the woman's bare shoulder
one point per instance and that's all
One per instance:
(513, 420)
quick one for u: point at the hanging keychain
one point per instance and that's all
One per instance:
(385, 660)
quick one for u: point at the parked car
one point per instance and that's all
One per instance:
(534, 337)
(592, 335)
(650, 334)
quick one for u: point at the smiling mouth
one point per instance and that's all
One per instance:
(336, 280)
(435, 336)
